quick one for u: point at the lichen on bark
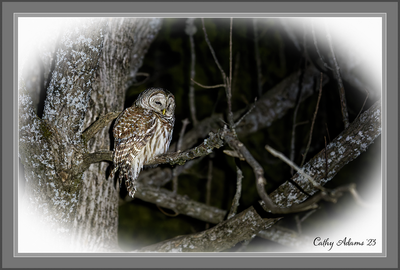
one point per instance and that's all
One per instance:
(94, 61)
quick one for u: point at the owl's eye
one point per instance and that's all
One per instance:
(158, 103)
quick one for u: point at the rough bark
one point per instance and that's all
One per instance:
(95, 61)
(225, 235)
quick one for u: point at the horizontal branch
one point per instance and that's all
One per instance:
(173, 158)
(276, 102)
(91, 158)
(223, 236)
(180, 204)
(180, 158)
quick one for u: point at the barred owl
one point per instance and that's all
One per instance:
(142, 132)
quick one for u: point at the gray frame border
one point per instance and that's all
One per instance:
(164, 9)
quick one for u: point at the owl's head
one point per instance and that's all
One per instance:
(157, 99)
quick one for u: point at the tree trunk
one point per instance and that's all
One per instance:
(94, 62)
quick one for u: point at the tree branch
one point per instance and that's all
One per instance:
(349, 144)
(223, 236)
(205, 148)
(257, 57)
(342, 95)
(212, 52)
(173, 158)
(208, 87)
(239, 147)
(180, 203)
(346, 147)
(235, 201)
(98, 125)
(312, 124)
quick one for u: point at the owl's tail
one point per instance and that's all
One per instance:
(129, 172)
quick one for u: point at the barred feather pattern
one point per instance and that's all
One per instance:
(142, 132)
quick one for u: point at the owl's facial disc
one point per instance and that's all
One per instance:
(158, 103)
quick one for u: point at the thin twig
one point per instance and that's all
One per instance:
(293, 139)
(327, 131)
(294, 166)
(298, 99)
(191, 30)
(235, 201)
(363, 103)
(342, 95)
(235, 72)
(316, 47)
(228, 89)
(257, 57)
(271, 207)
(312, 123)
(212, 52)
(247, 113)
(227, 81)
(185, 122)
(208, 87)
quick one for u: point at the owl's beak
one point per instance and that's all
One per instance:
(163, 112)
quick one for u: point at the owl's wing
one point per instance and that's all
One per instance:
(132, 130)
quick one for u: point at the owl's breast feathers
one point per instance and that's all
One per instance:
(137, 130)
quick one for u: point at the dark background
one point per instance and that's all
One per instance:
(168, 65)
